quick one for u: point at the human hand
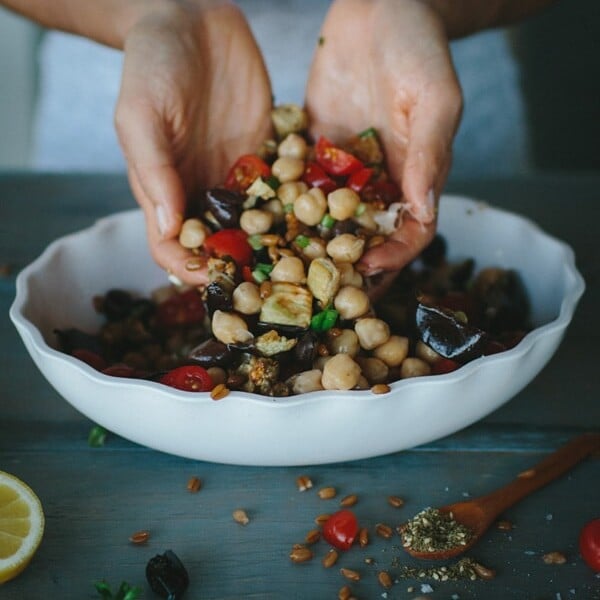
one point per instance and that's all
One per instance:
(387, 65)
(194, 96)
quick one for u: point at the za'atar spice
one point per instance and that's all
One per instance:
(433, 531)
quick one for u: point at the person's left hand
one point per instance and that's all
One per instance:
(387, 65)
(194, 96)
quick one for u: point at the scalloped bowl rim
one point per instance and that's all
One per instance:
(31, 334)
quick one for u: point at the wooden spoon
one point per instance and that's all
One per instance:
(478, 514)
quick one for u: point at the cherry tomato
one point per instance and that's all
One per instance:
(384, 192)
(190, 378)
(230, 242)
(589, 544)
(247, 274)
(314, 176)
(334, 160)
(93, 359)
(444, 365)
(121, 370)
(359, 179)
(245, 170)
(341, 529)
(186, 308)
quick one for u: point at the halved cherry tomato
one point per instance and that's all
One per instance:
(245, 170)
(334, 160)
(314, 176)
(93, 359)
(341, 529)
(589, 544)
(444, 365)
(385, 192)
(359, 179)
(190, 378)
(230, 242)
(186, 308)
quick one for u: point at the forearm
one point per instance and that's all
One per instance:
(464, 17)
(104, 21)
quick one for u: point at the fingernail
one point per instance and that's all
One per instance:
(161, 219)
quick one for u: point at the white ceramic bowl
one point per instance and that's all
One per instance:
(55, 291)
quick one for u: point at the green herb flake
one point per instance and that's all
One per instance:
(367, 133)
(360, 209)
(328, 221)
(324, 320)
(302, 241)
(288, 208)
(321, 40)
(125, 591)
(97, 436)
(266, 268)
(255, 242)
(273, 182)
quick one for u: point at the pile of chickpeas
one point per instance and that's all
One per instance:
(359, 351)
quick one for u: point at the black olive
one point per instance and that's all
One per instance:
(218, 297)
(444, 333)
(212, 353)
(305, 351)
(167, 576)
(75, 339)
(345, 226)
(116, 304)
(505, 304)
(225, 206)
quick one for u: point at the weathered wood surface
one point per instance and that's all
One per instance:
(95, 498)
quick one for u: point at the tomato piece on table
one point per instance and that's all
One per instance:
(334, 160)
(384, 192)
(359, 179)
(186, 308)
(444, 365)
(189, 378)
(341, 529)
(589, 544)
(93, 359)
(315, 176)
(230, 242)
(245, 171)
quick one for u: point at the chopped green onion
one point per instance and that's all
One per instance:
(272, 182)
(125, 591)
(97, 436)
(324, 320)
(302, 241)
(259, 276)
(360, 209)
(370, 132)
(328, 221)
(266, 268)
(255, 241)
(288, 208)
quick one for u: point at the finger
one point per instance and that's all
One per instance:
(433, 123)
(149, 154)
(168, 253)
(402, 246)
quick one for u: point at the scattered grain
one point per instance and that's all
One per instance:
(554, 558)
(345, 593)
(320, 519)
(504, 525)
(194, 484)
(219, 391)
(139, 537)
(380, 388)
(395, 501)
(384, 579)
(330, 558)
(363, 537)
(304, 482)
(313, 536)
(350, 500)
(300, 554)
(240, 516)
(383, 530)
(350, 574)
(327, 493)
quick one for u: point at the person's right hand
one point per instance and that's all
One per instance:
(194, 96)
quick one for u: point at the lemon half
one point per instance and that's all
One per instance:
(21, 525)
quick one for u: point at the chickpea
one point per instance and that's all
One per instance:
(374, 369)
(288, 192)
(320, 362)
(343, 203)
(346, 248)
(310, 207)
(275, 207)
(340, 373)
(349, 275)
(414, 367)
(315, 248)
(193, 233)
(230, 328)
(366, 220)
(344, 343)
(287, 169)
(394, 351)
(293, 146)
(217, 375)
(426, 353)
(363, 383)
(372, 332)
(307, 381)
(255, 221)
(289, 269)
(351, 302)
(246, 298)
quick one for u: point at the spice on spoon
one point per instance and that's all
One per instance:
(433, 531)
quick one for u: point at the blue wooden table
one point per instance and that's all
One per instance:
(95, 498)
